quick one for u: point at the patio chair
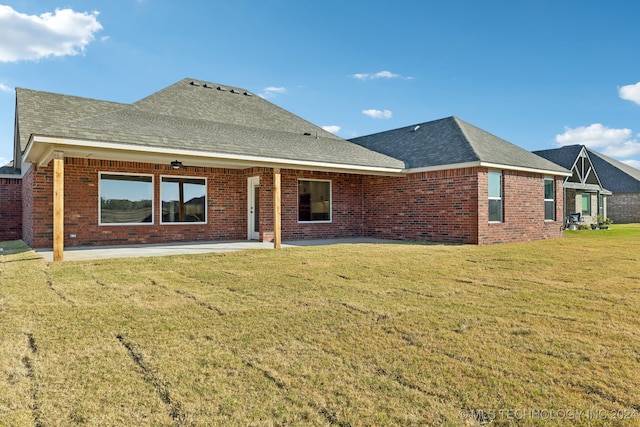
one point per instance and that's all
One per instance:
(573, 220)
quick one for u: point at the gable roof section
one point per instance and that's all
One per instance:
(564, 156)
(442, 143)
(613, 175)
(192, 119)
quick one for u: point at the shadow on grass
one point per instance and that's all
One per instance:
(14, 247)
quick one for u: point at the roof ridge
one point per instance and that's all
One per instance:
(457, 122)
(193, 82)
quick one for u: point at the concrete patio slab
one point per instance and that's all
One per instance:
(82, 253)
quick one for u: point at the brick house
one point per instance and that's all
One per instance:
(614, 187)
(200, 161)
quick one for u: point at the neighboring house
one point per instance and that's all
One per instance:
(199, 161)
(584, 193)
(10, 203)
(624, 182)
(613, 187)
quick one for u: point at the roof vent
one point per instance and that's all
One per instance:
(234, 91)
(248, 93)
(415, 128)
(207, 86)
(307, 134)
(221, 88)
(194, 83)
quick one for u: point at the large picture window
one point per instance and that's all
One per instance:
(183, 199)
(314, 201)
(495, 196)
(126, 199)
(549, 200)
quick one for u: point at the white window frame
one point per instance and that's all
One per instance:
(324, 221)
(500, 198)
(117, 224)
(553, 200)
(206, 200)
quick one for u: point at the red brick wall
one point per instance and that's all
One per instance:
(436, 206)
(444, 206)
(10, 209)
(226, 206)
(624, 208)
(523, 209)
(346, 205)
(27, 206)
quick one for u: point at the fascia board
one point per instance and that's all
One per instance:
(237, 160)
(487, 165)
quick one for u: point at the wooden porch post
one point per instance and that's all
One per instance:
(277, 212)
(58, 206)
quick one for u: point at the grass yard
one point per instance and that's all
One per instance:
(544, 333)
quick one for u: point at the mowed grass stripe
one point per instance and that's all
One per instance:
(382, 334)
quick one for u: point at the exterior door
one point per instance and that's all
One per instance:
(253, 208)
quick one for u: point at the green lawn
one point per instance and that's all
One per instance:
(544, 333)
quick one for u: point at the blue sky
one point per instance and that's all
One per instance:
(539, 74)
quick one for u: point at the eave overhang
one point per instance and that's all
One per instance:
(489, 165)
(40, 151)
(590, 188)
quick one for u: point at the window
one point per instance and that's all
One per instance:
(549, 200)
(183, 199)
(586, 204)
(600, 204)
(314, 201)
(495, 196)
(126, 199)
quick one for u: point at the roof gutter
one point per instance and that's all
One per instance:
(479, 163)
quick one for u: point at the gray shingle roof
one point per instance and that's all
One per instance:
(450, 141)
(565, 156)
(615, 176)
(8, 169)
(37, 110)
(195, 116)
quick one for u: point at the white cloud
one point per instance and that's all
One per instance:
(618, 143)
(630, 93)
(332, 128)
(272, 91)
(593, 136)
(632, 163)
(379, 75)
(4, 88)
(30, 37)
(3, 161)
(378, 114)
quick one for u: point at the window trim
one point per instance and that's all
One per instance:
(128, 224)
(206, 199)
(323, 221)
(553, 200)
(500, 198)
